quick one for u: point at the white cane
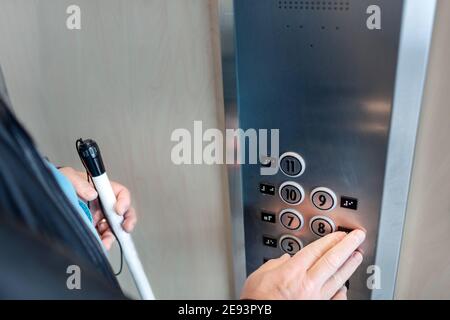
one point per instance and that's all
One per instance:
(89, 153)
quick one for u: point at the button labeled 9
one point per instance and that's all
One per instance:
(324, 199)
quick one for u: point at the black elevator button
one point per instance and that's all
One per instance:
(269, 241)
(268, 189)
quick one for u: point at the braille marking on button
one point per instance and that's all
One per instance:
(268, 217)
(270, 242)
(267, 189)
(349, 203)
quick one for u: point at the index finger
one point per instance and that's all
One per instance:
(306, 257)
(334, 258)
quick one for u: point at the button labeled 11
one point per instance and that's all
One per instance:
(292, 164)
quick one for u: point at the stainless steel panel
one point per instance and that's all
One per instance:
(317, 73)
(226, 14)
(417, 29)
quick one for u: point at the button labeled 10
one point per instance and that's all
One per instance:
(291, 193)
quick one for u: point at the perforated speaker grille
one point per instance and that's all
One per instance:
(314, 5)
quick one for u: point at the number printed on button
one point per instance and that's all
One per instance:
(324, 199)
(291, 219)
(290, 244)
(321, 226)
(292, 164)
(291, 193)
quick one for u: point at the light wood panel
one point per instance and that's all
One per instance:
(424, 271)
(136, 71)
(139, 69)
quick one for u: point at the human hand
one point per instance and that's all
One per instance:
(87, 192)
(318, 271)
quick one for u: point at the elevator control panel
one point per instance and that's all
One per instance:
(323, 73)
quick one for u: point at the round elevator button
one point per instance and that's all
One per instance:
(292, 164)
(290, 244)
(291, 219)
(321, 226)
(291, 193)
(324, 199)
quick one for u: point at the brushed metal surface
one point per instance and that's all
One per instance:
(227, 44)
(415, 42)
(327, 82)
(424, 270)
